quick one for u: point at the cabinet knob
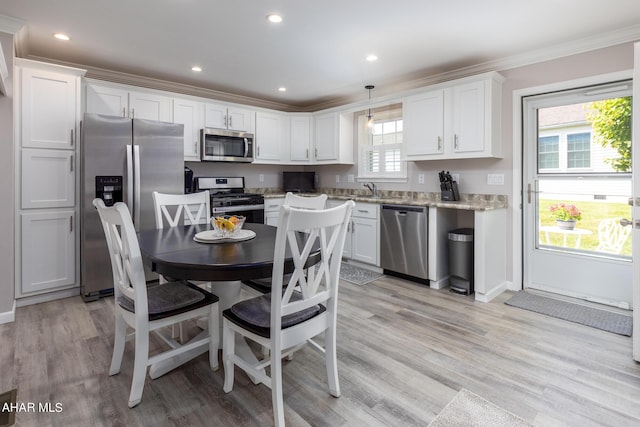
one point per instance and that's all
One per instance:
(455, 141)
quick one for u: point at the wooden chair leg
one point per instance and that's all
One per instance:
(119, 340)
(332, 362)
(276, 391)
(139, 367)
(214, 337)
(228, 352)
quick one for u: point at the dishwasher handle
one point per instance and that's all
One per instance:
(404, 209)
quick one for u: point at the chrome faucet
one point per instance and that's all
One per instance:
(372, 187)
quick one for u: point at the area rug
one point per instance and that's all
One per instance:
(589, 316)
(357, 275)
(469, 409)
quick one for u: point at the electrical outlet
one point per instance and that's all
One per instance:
(337, 179)
(351, 178)
(495, 179)
(261, 177)
(421, 178)
(455, 177)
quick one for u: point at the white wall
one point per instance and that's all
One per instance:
(7, 187)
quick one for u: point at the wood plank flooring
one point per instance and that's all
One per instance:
(404, 351)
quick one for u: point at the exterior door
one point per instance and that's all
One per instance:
(636, 205)
(577, 167)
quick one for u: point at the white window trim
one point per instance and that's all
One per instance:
(364, 148)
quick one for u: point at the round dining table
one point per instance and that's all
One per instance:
(173, 252)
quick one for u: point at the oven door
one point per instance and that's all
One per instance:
(252, 213)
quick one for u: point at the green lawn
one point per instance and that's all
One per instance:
(592, 213)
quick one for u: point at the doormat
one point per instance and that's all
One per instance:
(469, 409)
(596, 318)
(357, 275)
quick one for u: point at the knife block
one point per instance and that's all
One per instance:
(452, 195)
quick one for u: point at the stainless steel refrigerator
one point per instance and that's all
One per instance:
(123, 160)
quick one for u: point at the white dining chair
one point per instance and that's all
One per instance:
(612, 235)
(146, 309)
(182, 209)
(256, 287)
(296, 311)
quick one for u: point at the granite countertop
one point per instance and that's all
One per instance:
(474, 202)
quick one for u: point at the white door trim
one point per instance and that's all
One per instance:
(516, 206)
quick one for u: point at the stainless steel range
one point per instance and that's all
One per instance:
(228, 197)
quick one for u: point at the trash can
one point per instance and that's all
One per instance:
(461, 260)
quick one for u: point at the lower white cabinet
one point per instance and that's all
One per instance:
(48, 250)
(272, 210)
(363, 233)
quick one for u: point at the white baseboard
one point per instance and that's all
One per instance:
(493, 292)
(50, 296)
(9, 316)
(439, 284)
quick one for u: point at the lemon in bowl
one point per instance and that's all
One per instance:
(227, 225)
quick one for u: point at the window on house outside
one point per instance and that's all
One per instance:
(579, 150)
(381, 144)
(549, 152)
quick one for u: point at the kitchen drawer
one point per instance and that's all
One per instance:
(271, 205)
(366, 210)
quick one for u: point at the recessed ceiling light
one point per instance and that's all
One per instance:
(196, 69)
(61, 36)
(372, 57)
(282, 89)
(274, 17)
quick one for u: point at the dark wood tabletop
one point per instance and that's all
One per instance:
(172, 252)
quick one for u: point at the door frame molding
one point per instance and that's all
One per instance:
(517, 165)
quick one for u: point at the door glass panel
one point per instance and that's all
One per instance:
(584, 178)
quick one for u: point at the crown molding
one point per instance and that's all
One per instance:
(10, 25)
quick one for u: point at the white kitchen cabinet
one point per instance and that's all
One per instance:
(333, 141)
(47, 256)
(362, 242)
(189, 113)
(222, 116)
(272, 135)
(458, 119)
(48, 178)
(48, 108)
(122, 101)
(300, 138)
(423, 117)
(48, 111)
(272, 210)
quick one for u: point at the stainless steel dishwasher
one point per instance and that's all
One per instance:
(403, 241)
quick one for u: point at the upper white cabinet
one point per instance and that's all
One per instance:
(423, 117)
(455, 120)
(222, 116)
(333, 141)
(120, 101)
(300, 138)
(190, 113)
(272, 135)
(48, 108)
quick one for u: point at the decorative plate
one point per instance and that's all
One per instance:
(212, 236)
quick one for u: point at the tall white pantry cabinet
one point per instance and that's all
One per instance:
(47, 125)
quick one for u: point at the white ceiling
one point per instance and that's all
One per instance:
(318, 52)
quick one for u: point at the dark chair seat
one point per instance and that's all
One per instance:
(255, 314)
(264, 285)
(169, 299)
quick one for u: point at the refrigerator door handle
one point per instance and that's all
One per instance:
(130, 176)
(136, 186)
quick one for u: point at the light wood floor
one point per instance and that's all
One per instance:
(404, 351)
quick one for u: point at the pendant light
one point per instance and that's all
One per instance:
(369, 115)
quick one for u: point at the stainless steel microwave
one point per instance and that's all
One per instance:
(220, 145)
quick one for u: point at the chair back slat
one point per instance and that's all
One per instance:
(172, 208)
(303, 232)
(305, 202)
